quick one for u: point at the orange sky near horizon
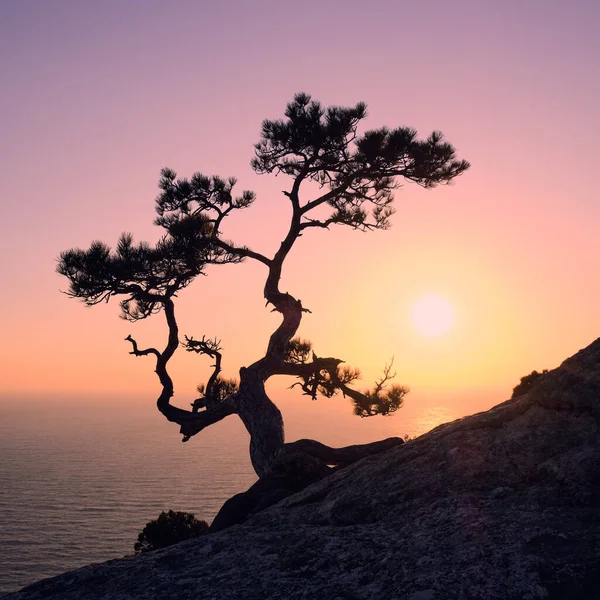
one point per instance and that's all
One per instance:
(100, 97)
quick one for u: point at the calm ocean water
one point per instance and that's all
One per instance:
(79, 481)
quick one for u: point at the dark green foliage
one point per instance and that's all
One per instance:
(323, 145)
(170, 528)
(298, 351)
(383, 399)
(383, 402)
(211, 196)
(314, 143)
(527, 383)
(331, 378)
(222, 387)
(356, 175)
(145, 274)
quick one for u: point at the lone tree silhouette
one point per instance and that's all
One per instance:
(356, 175)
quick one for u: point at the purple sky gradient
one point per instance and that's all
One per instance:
(98, 96)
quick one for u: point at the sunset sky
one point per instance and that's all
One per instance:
(98, 96)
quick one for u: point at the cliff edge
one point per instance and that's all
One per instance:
(502, 505)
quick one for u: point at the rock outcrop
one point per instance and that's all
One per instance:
(500, 505)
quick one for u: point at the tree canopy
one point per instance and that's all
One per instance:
(357, 175)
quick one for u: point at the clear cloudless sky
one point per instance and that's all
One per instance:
(98, 96)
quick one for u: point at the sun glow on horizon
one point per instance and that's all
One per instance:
(432, 315)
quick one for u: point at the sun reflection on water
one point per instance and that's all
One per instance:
(429, 418)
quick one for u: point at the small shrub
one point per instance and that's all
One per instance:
(527, 383)
(170, 528)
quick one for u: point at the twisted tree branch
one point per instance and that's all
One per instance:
(211, 348)
(345, 456)
(137, 352)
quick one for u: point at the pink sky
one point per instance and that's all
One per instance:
(98, 96)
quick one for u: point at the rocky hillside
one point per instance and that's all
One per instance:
(500, 505)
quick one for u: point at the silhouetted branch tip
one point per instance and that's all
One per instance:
(137, 352)
(209, 346)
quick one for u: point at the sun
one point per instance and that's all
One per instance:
(432, 315)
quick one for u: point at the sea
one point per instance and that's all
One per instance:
(80, 479)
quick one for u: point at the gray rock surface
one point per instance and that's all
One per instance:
(501, 505)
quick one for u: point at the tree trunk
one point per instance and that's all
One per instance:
(262, 419)
(264, 423)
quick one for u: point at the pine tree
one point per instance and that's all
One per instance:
(357, 175)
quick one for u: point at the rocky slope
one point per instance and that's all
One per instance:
(501, 505)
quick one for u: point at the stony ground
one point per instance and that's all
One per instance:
(501, 505)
